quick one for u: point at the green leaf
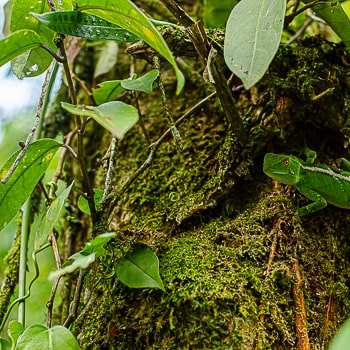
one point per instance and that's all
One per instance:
(36, 60)
(14, 330)
(336, 17)
(4, 344)
(252, 37)
(48, 220)
(342, 339)
(117, 117)
(215, 12)
(17, 43)
(107, 58)
(96, 245)
(126, 15)
(140, 269)
(25, 177)
(84, 25)
(85, 257)
(55, 338)
(143, 83)
(107, 91)
(83, 204)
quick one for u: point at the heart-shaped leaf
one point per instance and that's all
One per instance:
(140, 269)
(143, 83)
(40, 337)
(116, 116)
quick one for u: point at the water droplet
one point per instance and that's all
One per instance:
(93, 19)
(86, 19)
(98, 32)
(127, 35)
(100, 20)
(91, 31)
(106, 32)
(34, 68)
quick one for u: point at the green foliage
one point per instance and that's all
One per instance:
(39, 337)
(140, 269)
(216, 12)
(25, 177)
(48, 220)
(35, 60)
(83, 204)
(342, 340)
(126, 15)
(84, 25)
(336, 17)
(86, 256)
(17, 43)
(252, 37)
(143, 83)
(116, 116)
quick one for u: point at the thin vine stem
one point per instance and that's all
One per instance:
(80, 132)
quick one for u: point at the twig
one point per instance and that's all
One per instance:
(300, 31)
(154, 147)
(49, 304)
(72, 315)
(37, 121)
(109, 175)
(172, 127)
(300, 311)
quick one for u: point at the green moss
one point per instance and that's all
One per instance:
(227, 245)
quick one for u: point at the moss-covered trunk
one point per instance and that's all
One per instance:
(240, 268)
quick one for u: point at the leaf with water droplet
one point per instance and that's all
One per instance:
(18, 43)
(84, 25)
(21, 20)
(126, 14)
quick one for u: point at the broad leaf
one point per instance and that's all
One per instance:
(252, 37)
(36, 60)
(215, 12)
(126, 15)
(140, 269)
(84, 25)
(14, 331)
(18, 43)
(336, 17)
(143, 83)
(117, 117)
(85, 257)
(48, 220)
(342, 339)
(40, 337)
(107, 58)
(83, 204)
(107, 91)
(4, 344)
(25, 177)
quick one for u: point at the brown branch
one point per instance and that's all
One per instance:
(300, 311)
